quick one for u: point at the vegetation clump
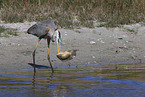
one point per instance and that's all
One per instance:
(74, 13)
(6, 32)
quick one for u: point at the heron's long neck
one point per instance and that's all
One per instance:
(58, 48)
(58, 41)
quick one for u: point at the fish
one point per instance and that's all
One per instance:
(67, 55)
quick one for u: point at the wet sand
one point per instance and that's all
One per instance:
(94, 45)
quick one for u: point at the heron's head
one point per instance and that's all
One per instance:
(57, 36)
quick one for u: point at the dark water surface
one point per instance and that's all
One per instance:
(123, 81)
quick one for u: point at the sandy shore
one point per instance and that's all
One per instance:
(94, 45)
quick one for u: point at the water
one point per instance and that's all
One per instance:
(93, 81)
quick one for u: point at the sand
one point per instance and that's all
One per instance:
(95, 46)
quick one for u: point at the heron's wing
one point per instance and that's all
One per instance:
(47, 23)
(36, 30)
(40, 27)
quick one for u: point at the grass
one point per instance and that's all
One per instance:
(74, 13)
(6, 32)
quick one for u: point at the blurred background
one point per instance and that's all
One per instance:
(74, 13)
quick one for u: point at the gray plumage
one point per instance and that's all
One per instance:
(40, 28)
(45, 29)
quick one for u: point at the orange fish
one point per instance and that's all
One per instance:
(67, 55)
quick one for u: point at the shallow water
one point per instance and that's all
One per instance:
(71, 82)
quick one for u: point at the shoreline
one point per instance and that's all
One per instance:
(94, 45)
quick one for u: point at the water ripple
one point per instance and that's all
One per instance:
(89, 82)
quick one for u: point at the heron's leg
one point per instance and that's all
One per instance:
(34, 54)
(48, 41)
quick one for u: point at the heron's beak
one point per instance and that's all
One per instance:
(59, 40)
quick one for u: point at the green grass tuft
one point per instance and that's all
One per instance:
(6, 32)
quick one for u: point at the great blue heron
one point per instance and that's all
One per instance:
(45, 29)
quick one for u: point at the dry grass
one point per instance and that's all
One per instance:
(74, 13)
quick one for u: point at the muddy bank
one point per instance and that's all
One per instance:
(94, 45)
